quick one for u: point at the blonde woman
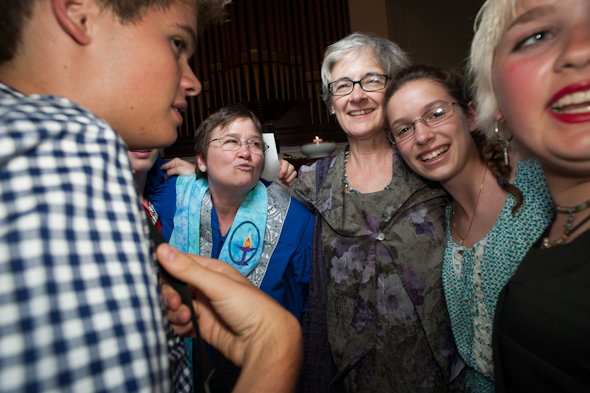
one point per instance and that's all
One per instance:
(530, 61)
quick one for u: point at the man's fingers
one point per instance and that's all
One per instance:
(206, 274)
(172, 163)
(284, 168)
(290, 179)
(182, 316)
(177, 166)
(172, 299)
(184, 330)
(287, 174)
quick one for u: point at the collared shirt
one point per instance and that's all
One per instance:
(80, 307)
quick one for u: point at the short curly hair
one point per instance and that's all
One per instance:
(14, 14)
(389, 55)
(222, 119)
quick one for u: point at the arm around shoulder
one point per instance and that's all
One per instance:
(303, 187)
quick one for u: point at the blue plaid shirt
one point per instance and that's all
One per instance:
(80, 307)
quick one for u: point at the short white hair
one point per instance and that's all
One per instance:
(388, 54)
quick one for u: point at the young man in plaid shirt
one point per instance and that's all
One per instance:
(80, 82)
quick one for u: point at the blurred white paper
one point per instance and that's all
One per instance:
(272, 166)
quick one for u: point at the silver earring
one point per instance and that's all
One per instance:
(331, 111)
(202, 168)
(505, 144)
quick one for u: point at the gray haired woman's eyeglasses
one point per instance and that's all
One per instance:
(344, 87)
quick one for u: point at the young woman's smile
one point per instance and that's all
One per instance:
(439, 152)
(434, 155)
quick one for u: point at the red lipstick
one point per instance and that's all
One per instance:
(570, 118)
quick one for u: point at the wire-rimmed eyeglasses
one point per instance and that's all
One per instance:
(231, 143)
(434, 116)
(344, 87)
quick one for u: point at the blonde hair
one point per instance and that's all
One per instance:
(490, 25)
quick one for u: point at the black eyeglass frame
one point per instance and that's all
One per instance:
(387, 77)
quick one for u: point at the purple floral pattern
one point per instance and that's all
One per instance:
(393, 301)
(420, 221)
(449, 349)
(372, 231)
(383, 260)
(364, 317)
(326, 205)
(351, 260)
(342, 244)
(414, 284)
(339, 270)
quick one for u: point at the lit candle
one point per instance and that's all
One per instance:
(318, 139)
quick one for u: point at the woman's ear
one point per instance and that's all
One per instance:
(471, 113)
(74, 17)
(200, 161)
(502, 129)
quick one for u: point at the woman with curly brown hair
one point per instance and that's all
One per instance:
(497, 211)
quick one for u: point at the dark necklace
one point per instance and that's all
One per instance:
(345, 181)
(567, 228)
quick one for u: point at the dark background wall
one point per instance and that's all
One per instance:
(434, 32)
(268, 57)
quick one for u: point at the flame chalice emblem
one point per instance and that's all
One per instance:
(246, 248)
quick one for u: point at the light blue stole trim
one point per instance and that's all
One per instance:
(279, 202)
(189, 197)
(244, 240)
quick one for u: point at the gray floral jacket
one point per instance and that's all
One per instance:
(387, 323)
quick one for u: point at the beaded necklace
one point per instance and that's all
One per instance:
(345, 181)
(567, 228)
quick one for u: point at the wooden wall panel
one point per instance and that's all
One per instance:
(269, 53)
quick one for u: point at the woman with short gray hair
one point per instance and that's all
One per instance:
(376, 319)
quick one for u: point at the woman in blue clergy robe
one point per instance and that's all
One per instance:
(226, 212)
